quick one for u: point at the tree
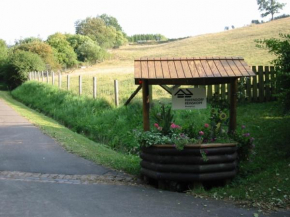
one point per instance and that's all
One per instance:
(19, 64)
(102, 29)
(111, 21)
(3, 50)
(41, 48)
(62, 50)
(270, 7)
(281, 48)
(86, 49)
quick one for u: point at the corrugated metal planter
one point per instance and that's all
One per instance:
(165, 162)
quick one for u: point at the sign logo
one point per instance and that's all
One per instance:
(189, 98)
(183, 93)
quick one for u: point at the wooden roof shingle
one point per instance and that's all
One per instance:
(195, 70)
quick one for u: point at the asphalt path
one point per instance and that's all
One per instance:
(39, 178)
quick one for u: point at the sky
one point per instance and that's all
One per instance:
(20, 19)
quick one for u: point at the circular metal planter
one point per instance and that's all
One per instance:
(165, 162)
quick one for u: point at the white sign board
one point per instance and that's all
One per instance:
(189, 98)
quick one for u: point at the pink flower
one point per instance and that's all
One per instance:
(246, 134)
(156, 125)
(206, 125)
(243, 126)
(201, 133)
(174, 126)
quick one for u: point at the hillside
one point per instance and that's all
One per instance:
(235, 42)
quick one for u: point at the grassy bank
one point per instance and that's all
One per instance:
(76, 143)
(263, 181)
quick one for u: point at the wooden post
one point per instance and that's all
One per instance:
(273, 86)
(47, 74)
(67, 81)
(34, 75)
(80, 85)
(267, 83)
(146, 105)
(116, 88)
(29, 76)
(255, 86)
(59, 80)
(151, 95)
(42, 77)
(261, 84)
(94, 87)
(233, 105)
(52, 75)
(38, 77)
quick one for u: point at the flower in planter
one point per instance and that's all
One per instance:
(167, 132)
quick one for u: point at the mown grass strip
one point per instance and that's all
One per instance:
(76, 143)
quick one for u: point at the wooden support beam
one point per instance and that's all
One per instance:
(167, 89)
(133, 95)
(146, 105)
(233, 105)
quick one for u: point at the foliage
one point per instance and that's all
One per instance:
(86, 49)
(41, 48)
(165, 131)
(147, 37)
(97, 30)
(62, 50)
(27, 40)
(281, 48)
(19, 64)
(3, 51)
(270, 7)
(111, 21)
(85, 115)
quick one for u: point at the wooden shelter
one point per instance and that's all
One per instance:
(190, 71)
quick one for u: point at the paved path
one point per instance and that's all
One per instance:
(39, 178)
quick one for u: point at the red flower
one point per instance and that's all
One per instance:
(206, 125)
(201, 133)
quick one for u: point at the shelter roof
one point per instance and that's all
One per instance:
(195, 70)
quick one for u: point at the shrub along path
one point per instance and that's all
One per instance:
(39, 178)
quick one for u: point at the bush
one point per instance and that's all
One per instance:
(281, 48)
(19, 64)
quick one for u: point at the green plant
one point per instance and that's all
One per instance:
(19, 64)
(281, 48)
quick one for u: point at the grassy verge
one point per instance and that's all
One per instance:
(262, 182)
(74, 142)
(265, 181)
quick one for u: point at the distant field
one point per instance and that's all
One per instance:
(235, 42)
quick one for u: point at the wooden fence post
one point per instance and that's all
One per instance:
(80, 85)
(267, 83)
(52, 74)
(273, 83)
(255, 86)
(59, 80)
(47, 78)
(29, 76)
(67, 82)
(261, 84)
(116, 88)
(42, 77)
(94, 87)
